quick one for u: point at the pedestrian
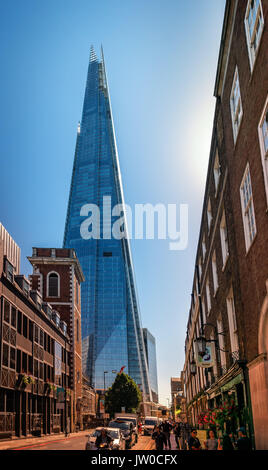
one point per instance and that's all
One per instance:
(243, 442)
(226, 442)
(177, 433)
(212, 443)
(159, 438)
(193, 442)
(166, 428)
(139, 427)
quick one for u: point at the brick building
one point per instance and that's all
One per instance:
(177, 398)
(57, 276)
(34, 358)
(230, 301)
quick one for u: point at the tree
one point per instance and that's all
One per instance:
(123, 393)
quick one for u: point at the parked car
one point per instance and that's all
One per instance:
(127, 430)
(149, 424)
(116, 434)
(130, 419)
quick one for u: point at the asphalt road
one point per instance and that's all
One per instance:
(78, 443)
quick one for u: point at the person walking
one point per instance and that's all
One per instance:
(159, 438)
(166, 428)
(193, 442)
(212, 443)
(177, 433)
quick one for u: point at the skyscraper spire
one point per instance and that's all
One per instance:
(111, 323)
(93, 56)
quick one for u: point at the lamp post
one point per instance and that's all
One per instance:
(105, 372)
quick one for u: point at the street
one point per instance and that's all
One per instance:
(77, 442)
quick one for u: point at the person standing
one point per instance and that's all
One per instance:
(243, 442)
(212, 443)
(159, 438)
(193, 442)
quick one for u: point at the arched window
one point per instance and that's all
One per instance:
(53, 285)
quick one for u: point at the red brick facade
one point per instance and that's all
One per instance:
(63, 264)
(241, 92)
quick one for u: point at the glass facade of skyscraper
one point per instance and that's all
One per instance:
(111, 329)
(150, 348)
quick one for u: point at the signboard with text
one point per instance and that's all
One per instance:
(208, 359)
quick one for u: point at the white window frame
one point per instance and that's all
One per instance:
(48, 275)
(200, 268)
(252, 52)
(232, 321)
(221, 341)
(247, 208)
(264, 150)
(209, 215)
(217, 171)
(224, 239)
(214, 272)
(204, 249)
(236, 109)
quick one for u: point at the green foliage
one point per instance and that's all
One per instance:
(123, 393)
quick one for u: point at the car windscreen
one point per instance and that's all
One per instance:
(122, 425)
(150, 422)
(112, 434)
(129, 420)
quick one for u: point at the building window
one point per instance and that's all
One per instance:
(254, 23)
(224, 239)
(13, 317)
(221, 342)
(7, 312)
(209, 215)
(204, 248)
(53, 285)
(263, 137)
(77, 330)
(232, 321)
(208, 297)
(214, 272)
(217, 172)
(236, 105)
(5, 355)
(248, 213)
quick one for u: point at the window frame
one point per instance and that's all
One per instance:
(235, 111)
(48, 287)
(252, 54)
(264, 152)
(245, 210)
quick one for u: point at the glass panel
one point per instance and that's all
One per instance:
(7, 311)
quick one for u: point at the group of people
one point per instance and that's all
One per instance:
(186, 438)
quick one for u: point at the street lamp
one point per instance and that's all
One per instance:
(105, 372)
(193, 367)
(201, 345)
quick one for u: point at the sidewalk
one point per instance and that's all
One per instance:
(17, 442)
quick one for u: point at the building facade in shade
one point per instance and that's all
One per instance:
(150, 349)
(111, 326)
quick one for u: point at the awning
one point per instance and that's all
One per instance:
(236, 380)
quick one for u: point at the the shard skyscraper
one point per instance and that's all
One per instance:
(111, 327)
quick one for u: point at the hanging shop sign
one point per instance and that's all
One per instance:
(209, 358)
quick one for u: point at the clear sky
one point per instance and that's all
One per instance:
(161, 58)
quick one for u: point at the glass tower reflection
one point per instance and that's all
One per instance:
(111, 326)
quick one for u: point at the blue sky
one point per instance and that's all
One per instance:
(161, 58)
